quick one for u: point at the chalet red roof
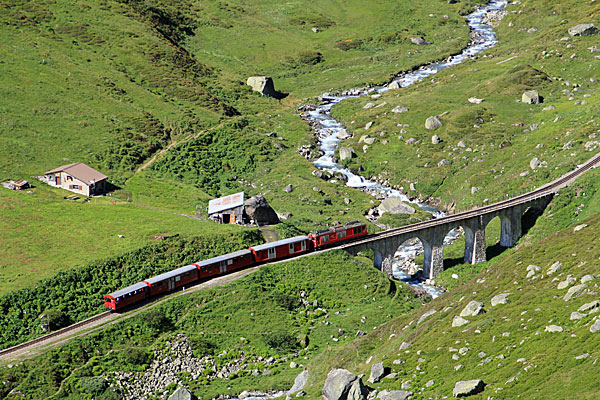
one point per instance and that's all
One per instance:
(80, 171)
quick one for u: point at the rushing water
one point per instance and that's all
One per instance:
(329, 131)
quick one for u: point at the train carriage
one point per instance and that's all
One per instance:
(281, 248)
(225, 263)
(126, 296)
(338, 233)
(172, 280)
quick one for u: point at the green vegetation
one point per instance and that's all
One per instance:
(76, 294)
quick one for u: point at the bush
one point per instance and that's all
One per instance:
(93, 384)
(286, 301)
(201, 346)
(281, 340)
(135, 356)
(158, 321)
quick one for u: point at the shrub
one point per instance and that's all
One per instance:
(201, 346)
(93, 384)
(286, 301)
(281, 340)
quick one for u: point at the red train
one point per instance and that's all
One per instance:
(220, 265)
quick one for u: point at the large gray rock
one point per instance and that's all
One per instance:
(346, 153)
(531, 97)
(338, 384)
(400, 109)
(468, 388)
(457, 321)
(182, 394)
(433, 123)
(472, 309)
(575, 291)
(394, 395)
(583, 30)
(500, 299)
(595, 326)
(377, 372)
(299, 382)
(263, 85)
(419, 41)
(394, 205)
(357, 391)
(260, 211)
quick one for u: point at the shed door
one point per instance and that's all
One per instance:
(57, 180)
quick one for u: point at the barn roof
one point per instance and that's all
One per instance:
(128, 289)
(80, 171)
(270, 245)
(170, 274)
(226, 203)
(224, 257)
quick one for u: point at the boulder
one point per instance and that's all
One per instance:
(531, 97)
(338, 384)
(433, 123)
(468, 388)
(377, 372)
(299, 382)
(457, 321)
(394, 205)
(595, 326)
(181, 394)
(400, 109)
(394, 85)
(357, 391)
(499, 299)
(394, 395)
(472, 309)
(435, 139)
(343, 134)
(346, 153)
(419, 41)
(575, 291)
(263, 85)
(583, 30)
(534, 163)
(260, 211)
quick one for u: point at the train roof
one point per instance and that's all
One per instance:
(128, 289)
(277, 243)
(224, 257)
(171, 274)
(337, 228)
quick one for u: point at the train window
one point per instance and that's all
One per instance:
(325, 238)
(341, 234)
(203, 269)
(364, 228)
(229, 262)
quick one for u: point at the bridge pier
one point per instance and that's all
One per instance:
(511, 229)
(475, 241)
(433, 246)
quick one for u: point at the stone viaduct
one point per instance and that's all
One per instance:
(432, 233)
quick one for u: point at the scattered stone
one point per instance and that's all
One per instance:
(579, 227)
(554, 268)
(426, 315)
(315, 29)
(435, 139)
(461, 144)
(419, 41)
(589, 306)
(405, 345)
(289, 188)
(577, 315)
(429, 383)
(582, 356)
(500, 299)
(458, 321)
(534, 163)
(549, 108)
(583, 30)
(595, 326)
(369, 106)
(181, 394)
(531, 97)
(468, 388)
(553, 328)
(377, 372)
(587, 278)
(394, 395)
(299, 382)
(399, 109)
(293, 365)
(394, 85)
(433, 123)
(475, 100)
(346, 153)
(532, 269)
(569, 280)
(575, 291)
(411, 140)
(472, 309)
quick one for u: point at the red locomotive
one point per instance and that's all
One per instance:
(220, 265)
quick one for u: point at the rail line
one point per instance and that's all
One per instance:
(545, 190)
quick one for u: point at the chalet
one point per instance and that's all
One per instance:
(228, 209)
(78, 178)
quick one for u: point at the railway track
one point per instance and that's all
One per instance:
(64, 334)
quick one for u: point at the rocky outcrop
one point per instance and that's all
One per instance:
(259, 210)
(299, 382)
(468, 388)
(342, 384)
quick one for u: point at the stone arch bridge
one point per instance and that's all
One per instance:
(432, 233)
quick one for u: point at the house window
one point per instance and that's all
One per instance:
(271, 253)
(69, 178)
